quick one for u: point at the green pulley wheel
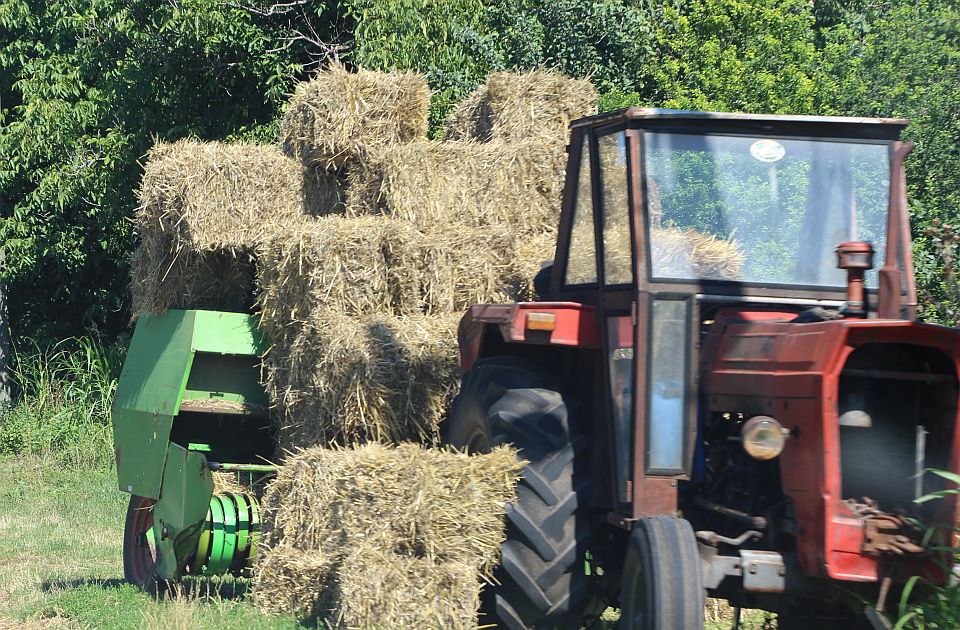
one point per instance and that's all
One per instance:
(243, 529)
(229, 532)
(254, 528)
(202, 556)
(215, 565)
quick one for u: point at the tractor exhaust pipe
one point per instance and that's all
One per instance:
(856, 257)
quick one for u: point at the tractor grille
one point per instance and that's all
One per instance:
(889, 395)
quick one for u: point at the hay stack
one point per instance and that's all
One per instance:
(678, 253)
(376, 264)
(204, 207)
(384, 537)
(347, 380)
(517, 106)
(681, 253)
(518, 185)
(471, 119)
(333, 118)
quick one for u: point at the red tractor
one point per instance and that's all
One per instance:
(723, 389)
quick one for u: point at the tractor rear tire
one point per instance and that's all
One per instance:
(541, 582)
(662, 583)
(139, 554)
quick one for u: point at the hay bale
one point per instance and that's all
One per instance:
(394, 591)
(514, 106)
(323, 193)
(347, 380)
(384, 537)
(680, 253)
(471, 118)
(163, 277)
(532, 254)
(204, 207)
(518, 185)
(333, 117)
(376, 264)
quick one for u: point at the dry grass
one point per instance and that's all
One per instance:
(203, 208)
(385, 537)
(336, 116)
(518, 185)
(345, 379)
(518, 106)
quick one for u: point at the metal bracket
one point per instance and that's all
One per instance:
(763, 571)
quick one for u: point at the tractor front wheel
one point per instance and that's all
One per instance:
(139, 552)
(541, 581)
(662, 584)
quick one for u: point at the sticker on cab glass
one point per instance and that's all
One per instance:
(767, 150)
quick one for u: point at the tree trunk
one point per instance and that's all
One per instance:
(5, 352)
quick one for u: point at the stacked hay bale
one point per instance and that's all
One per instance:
(204, 208)
(429, 228)
(384, 537)
(364, 243)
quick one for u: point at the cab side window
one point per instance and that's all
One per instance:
(581, 253)
(617, 247)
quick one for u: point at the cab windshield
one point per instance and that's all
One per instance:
(762, 210)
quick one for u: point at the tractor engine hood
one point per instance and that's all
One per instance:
(866, 403)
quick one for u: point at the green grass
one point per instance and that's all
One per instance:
(61, 564)
(62, 413)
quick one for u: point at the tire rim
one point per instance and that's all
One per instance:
(139, 552)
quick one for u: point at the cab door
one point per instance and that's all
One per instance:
(645, 334)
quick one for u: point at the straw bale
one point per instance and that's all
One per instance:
(393, 591)
(323, 192)
(226, 482)
(539, 103)
(346, 379)
(514, 106)
(163, 277)
(204, 207)
(391, 537)
(681, 253)
(685, 253)
(532, 254)
(471, 118)
(333, 117)
(435, 183)
(376, 264)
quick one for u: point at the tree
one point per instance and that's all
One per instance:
(903, 60)
(5, 350)
(86, 86)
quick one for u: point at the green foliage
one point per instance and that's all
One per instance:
(611, 41)
(736, 55)
(447, 41)
(63, 411)
(903, 60)
(86, 87)
(924, 604)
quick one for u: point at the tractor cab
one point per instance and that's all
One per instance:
(728, 329)
(675, 219)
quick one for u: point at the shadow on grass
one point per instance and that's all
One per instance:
(192, 588)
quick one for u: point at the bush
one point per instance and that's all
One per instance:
(63, 410)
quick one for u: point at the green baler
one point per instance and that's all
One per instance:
(189, 402)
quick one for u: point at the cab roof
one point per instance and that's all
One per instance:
(679, 120)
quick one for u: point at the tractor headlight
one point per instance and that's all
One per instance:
(762, 437)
